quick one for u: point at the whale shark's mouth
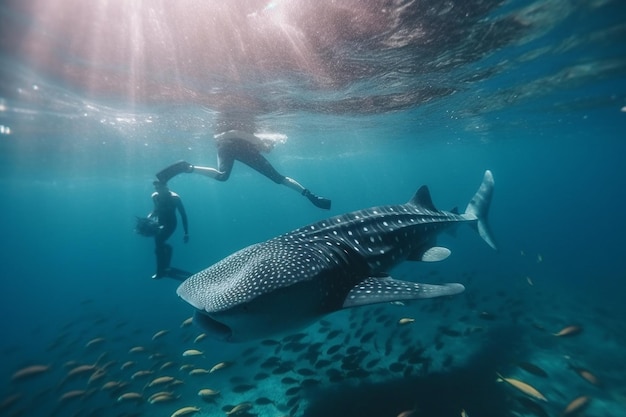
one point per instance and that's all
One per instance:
(215, 328)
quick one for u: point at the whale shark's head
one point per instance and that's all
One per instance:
(284, 310)
(267, 288)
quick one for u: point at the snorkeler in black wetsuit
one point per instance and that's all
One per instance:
(237, 144)
(166, 203)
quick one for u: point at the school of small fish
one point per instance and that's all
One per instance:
(180, 371)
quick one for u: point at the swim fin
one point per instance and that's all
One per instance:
(320, 202)
(171, 171)
(177, 274)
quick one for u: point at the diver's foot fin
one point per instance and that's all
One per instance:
(171, 171)
(177, 274)
(320, 202)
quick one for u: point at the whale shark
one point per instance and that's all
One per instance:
(294, 279)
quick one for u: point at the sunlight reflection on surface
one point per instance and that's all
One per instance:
(150, 50)
(283, 57)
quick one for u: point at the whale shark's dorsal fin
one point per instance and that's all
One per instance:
(422, 199)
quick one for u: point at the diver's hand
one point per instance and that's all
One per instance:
(186, 238)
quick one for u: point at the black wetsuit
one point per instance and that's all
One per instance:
(229, 150)
(165, 206)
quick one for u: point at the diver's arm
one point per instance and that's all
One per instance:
(183, 216)
(154, 210)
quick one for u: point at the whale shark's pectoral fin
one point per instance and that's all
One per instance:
(374, 290)
(433, 254)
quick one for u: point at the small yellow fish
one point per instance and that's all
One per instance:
(110, 385)
(137, 349)
(30, 371)
(141, 374)
(97, 375)
(199, 371)
(240, 408)
(208, 393)
(72, 394)
(186, 367)
(576, 405)
(569, 331)
(163, 398)
(158, 394)
(529, 281)
(524, 387)
(219, 366)
(94, 342)
(130, 396)
(185, 411)
(187, 322)
(9, 401)
(587, 376)
(406, 320)
(159, 334)
(126, 365)
(161, 380)
(464, 413)
(167, 365)
(200, 337)
(193, 352)
(81, 369)
(70, 364)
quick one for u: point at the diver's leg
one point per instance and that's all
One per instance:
(161, 258)
(162, 250)
(253, 158)
(211, 173)
(225, 162)
(293, 184)
(320, 202)
(171, 171)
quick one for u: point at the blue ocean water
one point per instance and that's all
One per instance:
(376, 99)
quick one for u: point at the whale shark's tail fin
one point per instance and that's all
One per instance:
(478, 208)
